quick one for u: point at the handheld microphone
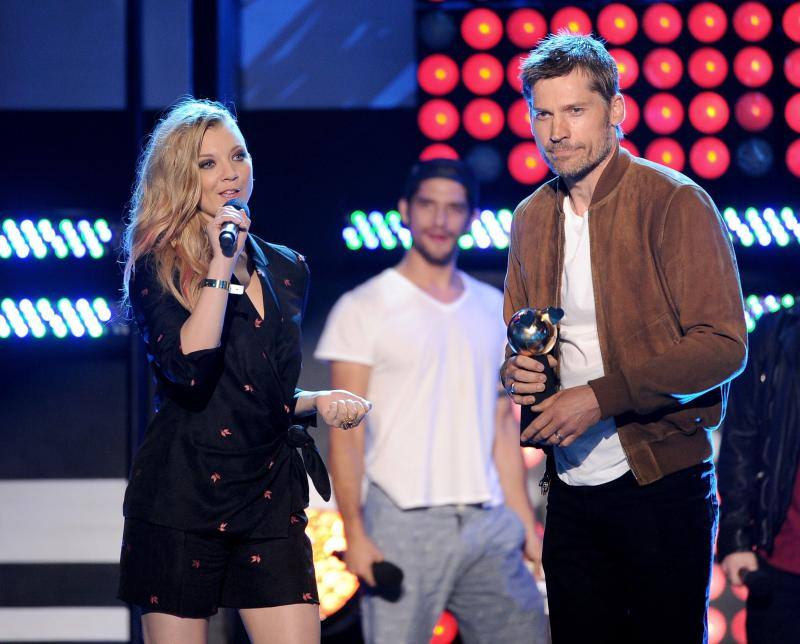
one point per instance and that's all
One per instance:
(229, 234)
(388, 576)
(758, 583)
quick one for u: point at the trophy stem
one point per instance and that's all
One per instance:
(550, 387)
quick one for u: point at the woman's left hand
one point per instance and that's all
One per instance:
(340, 408)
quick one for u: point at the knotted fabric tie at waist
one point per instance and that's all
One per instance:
(298, 436)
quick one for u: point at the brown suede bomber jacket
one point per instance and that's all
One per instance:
(670, 318)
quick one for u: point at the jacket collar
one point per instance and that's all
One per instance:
(609, 180)
(261, 263)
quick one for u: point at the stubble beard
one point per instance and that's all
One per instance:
(587, 166)
(435, 260)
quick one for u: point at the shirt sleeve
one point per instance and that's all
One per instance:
(348, 332)
(160, 317)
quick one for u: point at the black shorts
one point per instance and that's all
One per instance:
(166, 570)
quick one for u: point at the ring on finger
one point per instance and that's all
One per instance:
(348, 424)
(511, 388)
(558, 436)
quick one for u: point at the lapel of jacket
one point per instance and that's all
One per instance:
(272, 307)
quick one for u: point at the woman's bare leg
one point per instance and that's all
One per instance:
(291, 624)
(161, 628)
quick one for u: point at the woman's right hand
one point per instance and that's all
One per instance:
(224, 215)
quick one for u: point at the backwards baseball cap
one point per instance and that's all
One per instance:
(442, 169)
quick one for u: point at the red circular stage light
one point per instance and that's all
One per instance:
(707, 22)
(526, 164)
(481, 29)
(753, 111)
(513, 69)
(437, 74)
(791, 22)
(519, 119)
(718, 582)
(571, 19)
(663, 68)
(483, 119)
(532, 456)
(752, 66)
(793, 158)
(482, 74)
(627, 66)
(791, 67)
(709, 157)
(662, 23)
(663, 113)
(445, 630)
(708, 67)
(740, 592)
(438, 151)
(630, 147)
(632, 115)
(617, 23)
(717, 626)
(667, 152)
(792, 112)
(752, 21)
(709, 112)
(438, 119)
(526, 27)
(738, 627)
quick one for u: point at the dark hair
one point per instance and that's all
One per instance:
(560, 54)
(442, 169)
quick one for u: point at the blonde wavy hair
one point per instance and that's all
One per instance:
(164, 215)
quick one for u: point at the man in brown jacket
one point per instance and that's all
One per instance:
(639, 259)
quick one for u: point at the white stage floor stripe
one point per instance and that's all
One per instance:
(61, 520)
(64, 624)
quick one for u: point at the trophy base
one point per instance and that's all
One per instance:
(550, 387)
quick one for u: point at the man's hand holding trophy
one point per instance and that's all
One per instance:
(549, 416)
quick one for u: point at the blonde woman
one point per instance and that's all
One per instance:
(214, 511)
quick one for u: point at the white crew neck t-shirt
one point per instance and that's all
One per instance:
(433, 384)
(595, 457)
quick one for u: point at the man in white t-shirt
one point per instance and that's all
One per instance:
(446, 499)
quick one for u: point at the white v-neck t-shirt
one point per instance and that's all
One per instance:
(595, 457)
(433, 384)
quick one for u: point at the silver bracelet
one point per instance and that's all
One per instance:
(223, 284)
(233, 289)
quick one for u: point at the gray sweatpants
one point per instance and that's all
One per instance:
(465, 559)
